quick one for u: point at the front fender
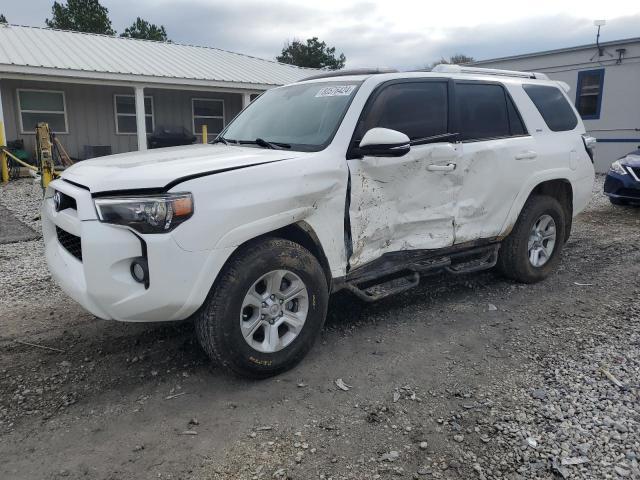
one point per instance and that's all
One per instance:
(248, 231)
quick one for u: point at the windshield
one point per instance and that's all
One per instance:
(301, 117)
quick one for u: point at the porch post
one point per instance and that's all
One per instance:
(4, 167)
(141, 124)
(246, 100)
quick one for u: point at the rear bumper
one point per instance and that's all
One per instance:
(623, 187)
(101, 280)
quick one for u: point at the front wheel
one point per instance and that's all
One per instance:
(265, 310)
(532, 250)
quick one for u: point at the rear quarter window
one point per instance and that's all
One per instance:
(553, 106)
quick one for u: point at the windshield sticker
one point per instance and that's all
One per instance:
(336, 91)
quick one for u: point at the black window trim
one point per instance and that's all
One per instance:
(354, 142)
(507, 95)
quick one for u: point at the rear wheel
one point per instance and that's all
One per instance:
(532, 249)
(266, 309)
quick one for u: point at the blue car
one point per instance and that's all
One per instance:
(622, 184)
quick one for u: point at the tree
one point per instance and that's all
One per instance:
(145, 30)
(81, 16)
(3, 19)
(313, 54)
(457, 59)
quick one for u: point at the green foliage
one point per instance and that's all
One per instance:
(457, 59)
(81, 16)
(145, 30)
(3, 19)
(313, 54)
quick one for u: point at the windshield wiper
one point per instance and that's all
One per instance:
(273, 145)
(220, 140)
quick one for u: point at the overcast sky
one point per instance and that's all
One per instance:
(398, 33)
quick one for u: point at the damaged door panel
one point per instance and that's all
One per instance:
(405, 203)
(497, 155)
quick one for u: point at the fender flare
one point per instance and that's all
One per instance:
(249, 231)
(562, 174)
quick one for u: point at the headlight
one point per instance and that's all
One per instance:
(146, 214)
(618, 168)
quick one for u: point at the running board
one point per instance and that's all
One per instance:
(385, 289)
(374, 284)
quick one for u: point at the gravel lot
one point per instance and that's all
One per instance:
(460, 378)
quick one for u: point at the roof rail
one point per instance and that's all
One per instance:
(353, 71)
(447, 68)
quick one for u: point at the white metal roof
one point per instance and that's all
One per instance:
(558, 50)
(59, 53)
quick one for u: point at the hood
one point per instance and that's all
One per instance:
(160, 167)
(632, 159)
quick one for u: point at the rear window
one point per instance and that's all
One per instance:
(553, 106)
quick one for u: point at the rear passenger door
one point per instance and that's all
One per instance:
(497, 155)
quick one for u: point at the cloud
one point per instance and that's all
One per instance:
(401, 34)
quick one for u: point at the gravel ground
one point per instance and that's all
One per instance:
(462, 377)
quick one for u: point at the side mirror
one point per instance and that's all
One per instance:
(384, 142)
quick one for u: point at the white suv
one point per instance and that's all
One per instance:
(350, 180)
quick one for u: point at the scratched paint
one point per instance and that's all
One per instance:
(399, 204)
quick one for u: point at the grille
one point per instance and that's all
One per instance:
(70, 242)
(67, 202)
(636, 170)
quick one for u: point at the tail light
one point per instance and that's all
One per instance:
(589, 144)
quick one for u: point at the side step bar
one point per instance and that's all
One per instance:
(376, 285)
(385, 289)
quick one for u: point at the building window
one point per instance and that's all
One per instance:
(42, 106)
(125, 109)
(209, 112)
(589, 93)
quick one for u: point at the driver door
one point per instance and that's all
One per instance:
(407, 202)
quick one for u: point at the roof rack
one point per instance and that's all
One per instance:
(447, 68)
(353, 71)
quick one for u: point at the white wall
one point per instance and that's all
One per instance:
(620, 109)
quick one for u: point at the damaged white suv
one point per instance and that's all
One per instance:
(350, 180)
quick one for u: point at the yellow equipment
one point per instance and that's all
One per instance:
(44, 154)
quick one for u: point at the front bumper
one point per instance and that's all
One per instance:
(622, 187)
(101, 281)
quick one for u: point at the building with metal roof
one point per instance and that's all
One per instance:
(605, 85)
(114, 93)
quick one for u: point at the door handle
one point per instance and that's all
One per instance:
(449, 167)
(528, 155)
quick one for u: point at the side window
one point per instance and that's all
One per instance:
(553, 106)
(417, 109)
(482, 111)
(589, 93)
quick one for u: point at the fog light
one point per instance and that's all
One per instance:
(140, 271)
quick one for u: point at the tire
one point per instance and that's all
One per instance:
(514, 256)
(229, 308)
(617, 201)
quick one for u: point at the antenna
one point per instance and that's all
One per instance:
(599, 23)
